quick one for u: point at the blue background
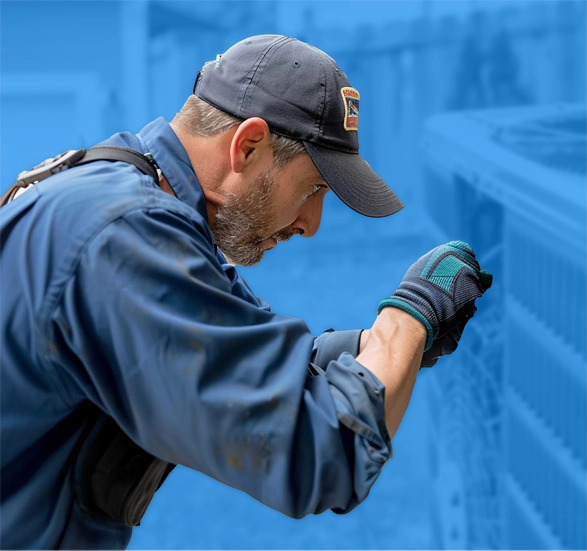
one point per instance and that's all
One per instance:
(474, 113)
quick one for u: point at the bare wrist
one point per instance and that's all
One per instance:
(390, 319)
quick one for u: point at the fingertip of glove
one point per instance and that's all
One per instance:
(461, 245)
(486, 279)
(428, 363)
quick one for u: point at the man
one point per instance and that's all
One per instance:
(119, 295)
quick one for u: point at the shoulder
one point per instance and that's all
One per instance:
(84, 200)
(109, 213)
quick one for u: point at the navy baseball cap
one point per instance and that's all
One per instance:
(301, 93)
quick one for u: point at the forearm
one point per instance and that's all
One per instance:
(392, 350)
(364, 338)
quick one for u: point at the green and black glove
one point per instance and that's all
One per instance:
(445, 344)
(440, 290)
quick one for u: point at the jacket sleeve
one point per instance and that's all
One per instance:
(331, 344)
(148, 329)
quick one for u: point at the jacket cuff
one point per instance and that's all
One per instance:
(331, 344)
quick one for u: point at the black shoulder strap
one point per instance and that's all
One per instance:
(144, 163)
(77, 157)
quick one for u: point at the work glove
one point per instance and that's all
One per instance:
(439, 290)
(446, 344)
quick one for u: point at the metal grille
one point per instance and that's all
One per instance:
(512, 419)
(558, 142)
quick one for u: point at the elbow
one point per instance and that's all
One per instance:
(322, 473)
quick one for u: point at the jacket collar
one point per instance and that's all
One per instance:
(160, 140)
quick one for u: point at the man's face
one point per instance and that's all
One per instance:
(277, 205)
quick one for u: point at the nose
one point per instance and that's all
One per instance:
(308, 221)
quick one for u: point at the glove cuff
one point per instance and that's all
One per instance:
(395, 303)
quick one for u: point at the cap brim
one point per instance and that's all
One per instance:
(354, 182)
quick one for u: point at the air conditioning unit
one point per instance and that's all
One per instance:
(509, 412)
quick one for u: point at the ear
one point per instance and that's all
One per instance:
(251, 144)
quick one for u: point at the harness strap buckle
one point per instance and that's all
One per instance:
(49, 167)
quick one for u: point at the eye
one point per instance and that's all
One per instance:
(317, 188)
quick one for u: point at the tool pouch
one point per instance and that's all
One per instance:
(114, 476)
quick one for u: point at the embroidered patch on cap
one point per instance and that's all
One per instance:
(351, 108)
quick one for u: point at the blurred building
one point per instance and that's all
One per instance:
(74, 73)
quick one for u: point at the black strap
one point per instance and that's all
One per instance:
(116, 153)
(69, 159)
(77, 157)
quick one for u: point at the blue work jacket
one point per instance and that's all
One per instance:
(113, 292)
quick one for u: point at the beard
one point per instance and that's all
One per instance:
(242, 224)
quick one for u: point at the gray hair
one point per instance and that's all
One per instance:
(202, 119)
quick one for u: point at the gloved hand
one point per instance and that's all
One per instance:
(446, 344)
(440, 290)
